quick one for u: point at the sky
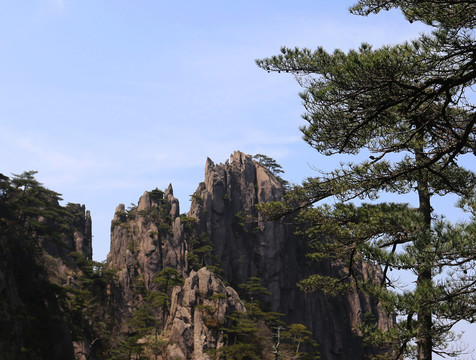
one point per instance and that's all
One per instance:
(108, 99)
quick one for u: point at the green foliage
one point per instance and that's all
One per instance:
(156, 195)
(242, 219)
(87, 300)
(131, 211)
(242, 333)
(296, 336)
(133, 246)
(245, 223)
(272, 166)
(253, 293)
(253, 288)
(405, 109)
(147, 325)
(269, 163)
(29, 310)
(250, 337)
(157, 214)
(201, 254)
(156, 346)
(188, 223)
(38, 308)
(247, 335)
(143, 320)
(239, 351)
(218, 296)
(197, 197)
(166, 280)
(446, 14)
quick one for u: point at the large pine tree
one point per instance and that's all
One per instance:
(408, 110)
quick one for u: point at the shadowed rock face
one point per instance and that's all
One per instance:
(271, 251)
(33, 322)
(79, 239)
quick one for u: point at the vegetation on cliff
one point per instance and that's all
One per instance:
(48, 302)
(63, 305)
(29, 309)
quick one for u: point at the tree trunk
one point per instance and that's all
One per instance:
(424, 277)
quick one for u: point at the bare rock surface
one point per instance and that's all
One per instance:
(145, 240)
(196, 315)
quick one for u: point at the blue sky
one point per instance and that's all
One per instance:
(108, 99)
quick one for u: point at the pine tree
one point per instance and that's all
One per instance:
(271, 165)
(33, 317)
(166, 280)
(406, 108)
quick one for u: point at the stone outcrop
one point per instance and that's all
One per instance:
(224, 205)
(196, 314)
(145, 240)
(152, 236)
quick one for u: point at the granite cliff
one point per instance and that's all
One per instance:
(224, 232)
(272, 252)
(144, 240)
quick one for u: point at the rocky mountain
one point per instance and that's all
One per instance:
(224, 232)
(218, 282)
(272, 252)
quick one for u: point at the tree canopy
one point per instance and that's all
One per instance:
(41, 310)
(407, 110)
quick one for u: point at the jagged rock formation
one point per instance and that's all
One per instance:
(144, 241)
(225, 203)
(56, 303)
(192, 328)
(269, 250)
(225, 224)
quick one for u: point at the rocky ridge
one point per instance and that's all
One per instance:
(170, 287)
(225, 230)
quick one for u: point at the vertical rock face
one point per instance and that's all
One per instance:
(223, 204)
(145, 240)
(193, 328)
(82, 230)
